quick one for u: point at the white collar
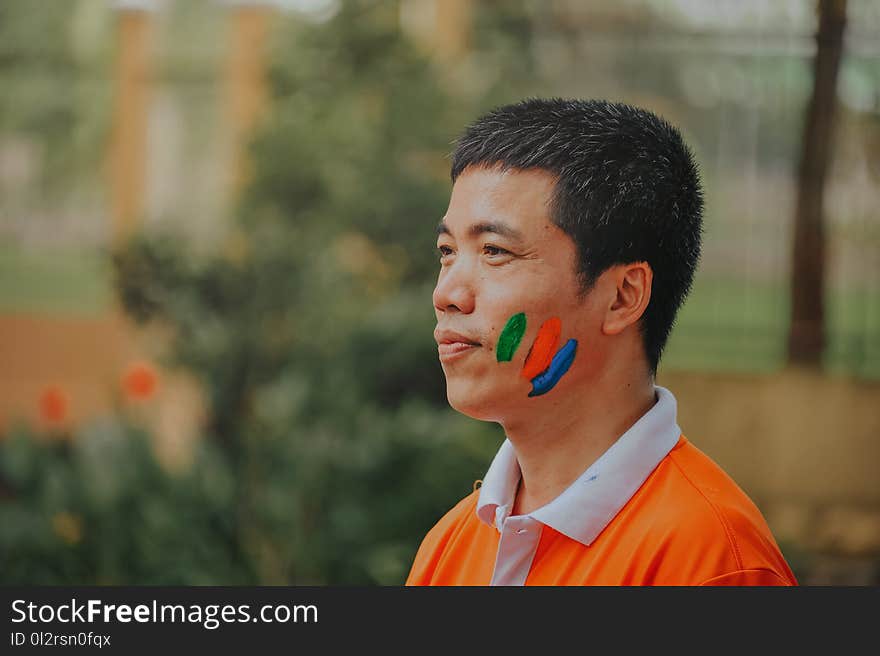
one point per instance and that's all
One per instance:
(586, 507)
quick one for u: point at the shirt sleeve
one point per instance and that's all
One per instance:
(760, 577)
(434, 543)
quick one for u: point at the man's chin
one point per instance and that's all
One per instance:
(476, 406)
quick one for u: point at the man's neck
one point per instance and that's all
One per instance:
(557, 448)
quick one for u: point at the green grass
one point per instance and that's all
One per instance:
(54, 282)
(731, 325)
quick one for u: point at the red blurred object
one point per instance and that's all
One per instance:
(140, 381)
(54, 404)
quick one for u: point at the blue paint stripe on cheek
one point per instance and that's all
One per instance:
(546, 381)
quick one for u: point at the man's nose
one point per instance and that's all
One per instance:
(454, 291)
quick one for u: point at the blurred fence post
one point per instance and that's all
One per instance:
(246, 90)
(128, 145)
(442, 27)
(453, 27)
(806, 338)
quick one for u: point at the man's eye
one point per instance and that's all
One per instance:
(494, 250)
(444, 251)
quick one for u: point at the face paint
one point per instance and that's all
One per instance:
(542, 350)
(510, 337)
(560, 364)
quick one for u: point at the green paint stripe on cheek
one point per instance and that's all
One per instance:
(510, 337)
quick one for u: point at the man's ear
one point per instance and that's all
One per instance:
(633, 286)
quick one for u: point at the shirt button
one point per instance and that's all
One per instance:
(520, 531)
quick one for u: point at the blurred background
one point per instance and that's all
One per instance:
(217, 255)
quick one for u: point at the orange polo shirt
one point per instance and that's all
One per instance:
(667, 517)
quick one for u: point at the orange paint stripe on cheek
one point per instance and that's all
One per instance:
(543, 348)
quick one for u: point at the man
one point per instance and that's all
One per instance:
(570, 241)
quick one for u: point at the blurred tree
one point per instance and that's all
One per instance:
(806, 339)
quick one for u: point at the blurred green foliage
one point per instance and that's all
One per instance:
(98, 509)
(53, 73)
(318, 500)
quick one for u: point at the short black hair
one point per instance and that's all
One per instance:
(627, 190)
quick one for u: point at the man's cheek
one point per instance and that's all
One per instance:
(540, 354)
(545, 362)
(510, 337)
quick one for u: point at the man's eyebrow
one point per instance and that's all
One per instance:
(477, 229)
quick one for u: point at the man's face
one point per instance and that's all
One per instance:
(500, 255)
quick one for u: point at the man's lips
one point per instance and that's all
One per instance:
(452, 344)
(449, 349)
